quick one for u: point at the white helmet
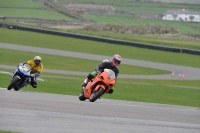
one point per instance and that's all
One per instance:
(37, 60)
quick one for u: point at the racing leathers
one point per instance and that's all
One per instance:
(36, 71)
(99, 69)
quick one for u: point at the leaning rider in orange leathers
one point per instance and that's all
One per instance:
(106, 64)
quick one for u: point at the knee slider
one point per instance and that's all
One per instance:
(110, 91)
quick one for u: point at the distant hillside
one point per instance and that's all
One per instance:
(180, 1)
(55, 13)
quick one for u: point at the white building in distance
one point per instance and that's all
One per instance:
(181, 15)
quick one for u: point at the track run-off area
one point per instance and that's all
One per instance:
(33, 112)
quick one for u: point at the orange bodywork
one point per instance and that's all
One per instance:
(101, 80)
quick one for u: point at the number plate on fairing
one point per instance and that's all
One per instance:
(25, 69)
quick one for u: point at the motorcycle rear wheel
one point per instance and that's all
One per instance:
(95, 95)
(14, 81)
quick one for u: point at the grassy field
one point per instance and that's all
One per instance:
(32, 13)
(136, 6)
(21, 3)
(32, 9)
(147, 39)
(141, 9)
(85, 46)
(184, 27)
(69, 63)
(182, 42)
(176, 92)
(154, 8)
(145, 91)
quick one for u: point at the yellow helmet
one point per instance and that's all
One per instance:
(37, 60)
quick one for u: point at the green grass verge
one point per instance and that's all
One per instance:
(92, 47)
(147, 39)
(151, 39)
(8, 132)
(13, 57)
(21, 3)
(70, 85)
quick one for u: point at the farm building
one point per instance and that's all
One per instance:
(182, 15)
(90, 8)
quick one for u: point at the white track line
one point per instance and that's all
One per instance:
(9, 73)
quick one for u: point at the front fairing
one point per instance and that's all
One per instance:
(107, 77)
(24, 70)
(105, 80)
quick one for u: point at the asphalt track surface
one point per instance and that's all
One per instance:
(31, 112)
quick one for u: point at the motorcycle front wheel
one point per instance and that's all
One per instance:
(14, 81)
(96, 94)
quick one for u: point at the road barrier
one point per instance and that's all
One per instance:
(101, 39)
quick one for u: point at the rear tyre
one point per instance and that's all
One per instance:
(96, 94)
(14, 81)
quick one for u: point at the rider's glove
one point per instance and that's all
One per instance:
(32, 75)
(20, 64)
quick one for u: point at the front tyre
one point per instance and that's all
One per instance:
(96, 94)
(13, 82)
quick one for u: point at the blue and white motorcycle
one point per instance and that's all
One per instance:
(21, 77)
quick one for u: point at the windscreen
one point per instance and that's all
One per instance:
(111, 74)
(26, 67)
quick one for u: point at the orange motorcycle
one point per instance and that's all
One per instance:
(98, 86)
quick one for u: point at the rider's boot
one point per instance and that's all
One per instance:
(84, 85)
(33, 82)
(16, 88)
